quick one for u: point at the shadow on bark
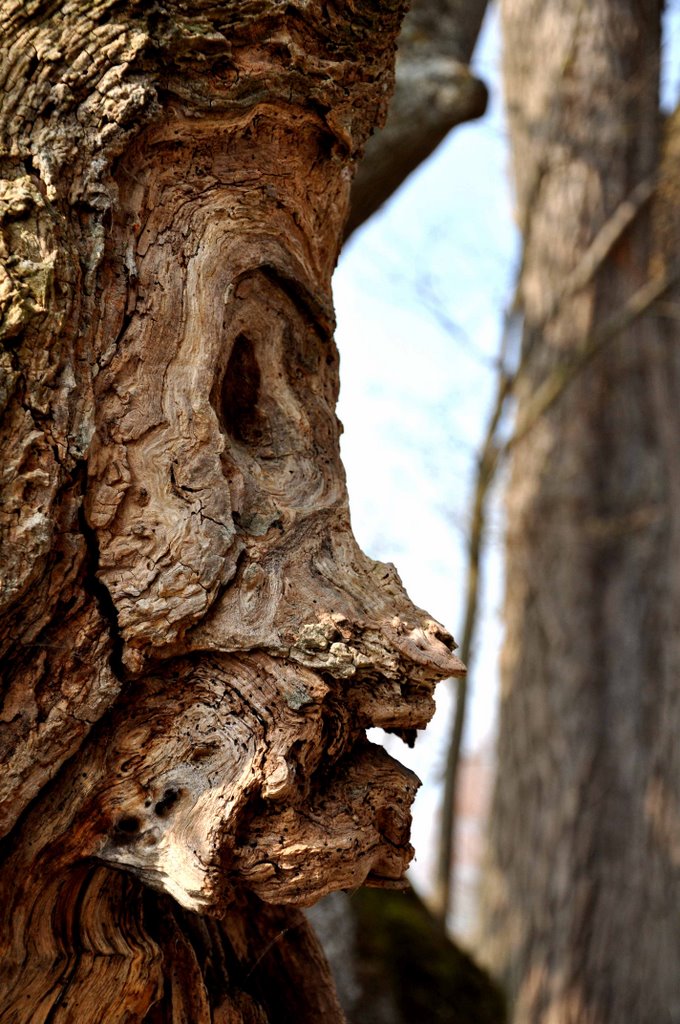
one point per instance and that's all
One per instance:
(393, 964)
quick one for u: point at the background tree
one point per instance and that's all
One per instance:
(192, 642)
(584, 877)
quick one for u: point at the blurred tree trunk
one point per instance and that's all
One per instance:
(192, 642)
(584, 878)
(394, 964)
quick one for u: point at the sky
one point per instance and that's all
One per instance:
(415, 393)
(420, 294)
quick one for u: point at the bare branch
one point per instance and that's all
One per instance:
(559, 379)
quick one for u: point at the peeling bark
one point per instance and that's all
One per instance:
(193, 644)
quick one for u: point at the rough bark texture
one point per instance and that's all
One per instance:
(192, 642)
(584, 880)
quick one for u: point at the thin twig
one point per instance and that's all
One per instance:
(492, 455)
(490, 459)
(600, 248)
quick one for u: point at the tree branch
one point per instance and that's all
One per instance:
(435, 90)
(559, 379)
(487, 465)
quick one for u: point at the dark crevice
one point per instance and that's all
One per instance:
(126, 830)
(241, 393)
(167, 802)
(102, 596)
(128, 317)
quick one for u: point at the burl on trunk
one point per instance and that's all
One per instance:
(193, 644)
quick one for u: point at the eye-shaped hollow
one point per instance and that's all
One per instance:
(275, 399)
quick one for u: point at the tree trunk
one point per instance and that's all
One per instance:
(584, 879)
(394, 964)
(435, 90)
(193, 645)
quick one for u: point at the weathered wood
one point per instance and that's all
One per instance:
(193, 644)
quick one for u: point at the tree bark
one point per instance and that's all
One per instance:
(584, 876)
(193, 645)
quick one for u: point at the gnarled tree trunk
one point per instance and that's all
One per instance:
(192, 642)
(584, 884)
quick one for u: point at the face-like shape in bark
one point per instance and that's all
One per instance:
(261, 640)
(259, 779)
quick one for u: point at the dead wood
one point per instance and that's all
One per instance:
(193, 644)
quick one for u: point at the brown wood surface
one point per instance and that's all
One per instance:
(193, 644)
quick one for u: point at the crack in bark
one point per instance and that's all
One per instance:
(102, 596)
